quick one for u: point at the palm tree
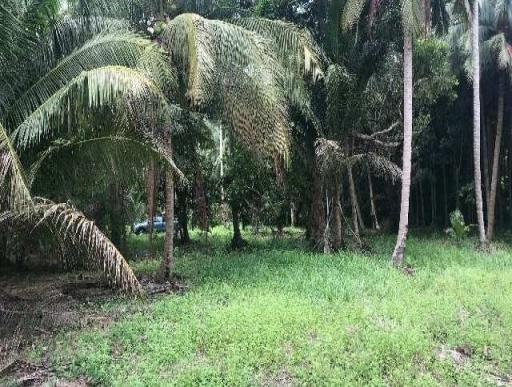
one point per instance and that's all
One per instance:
(475, 54)
(489, 42)
(412, 20)
(495, 22)
(51, 96)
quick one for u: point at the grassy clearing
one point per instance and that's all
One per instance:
(277, 315)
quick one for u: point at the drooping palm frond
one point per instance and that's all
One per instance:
(299, 55)
(100, 87)
(108, 153)
(295, 46)
(236, 73)
(13, 186)
(378, 164)
(331, 158)
(77, 231)
(122, 49)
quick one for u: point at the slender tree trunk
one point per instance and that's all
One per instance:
(292, 214)
(317, 216)
(476, 124)
(457, 198)
(398, 257)
(495, 163)
(168, 261)
(237, 242)
(337, 224)
(376, 224)
(433, 201)
(422, 204)
(485, 157)
(445, 197)
(183, 216)
(151, 193)
(353, 201)
(116, 223)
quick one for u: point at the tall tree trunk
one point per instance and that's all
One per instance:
(495, 162)
(181, 195)
(116, 223)
(237, 242)
(422, 204)
(353, 201)
(476, 124)
(433, 201)
(337, 225)
(485, 157)
(151, 193)
(376, 224)
(445, 197)
(292, 214)
(168, 261)
(398, 257)
(317, 216)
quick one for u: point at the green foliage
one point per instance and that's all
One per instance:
(277, 313)
(458, 230)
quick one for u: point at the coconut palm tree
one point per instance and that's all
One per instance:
(412, 23)
(488, 38)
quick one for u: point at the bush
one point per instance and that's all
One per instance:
(458, 230)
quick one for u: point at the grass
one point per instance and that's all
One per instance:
(276, 314)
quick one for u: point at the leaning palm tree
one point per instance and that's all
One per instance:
(412, 22)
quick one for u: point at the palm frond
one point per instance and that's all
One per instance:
(13, 187)
(122, 49)
(236, 73)
(109, 153)
(378, 164)
(101, 87)
(295, 46)
(81, 233)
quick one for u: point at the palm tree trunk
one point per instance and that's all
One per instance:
(151, 193)
(495, 163)
(422, 204)
(433, 201)
(353, 200)
(476, 124)
(168, 262)
(485, 156)
(317, 217)
(445, 197)
(338, 230)
(398, 257)
(372, 203)
(237, 242)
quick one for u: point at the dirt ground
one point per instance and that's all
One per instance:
(36, 306)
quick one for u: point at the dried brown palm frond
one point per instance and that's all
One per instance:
(332, 159)
(72, 227)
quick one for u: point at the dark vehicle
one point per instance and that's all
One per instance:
(158, 226)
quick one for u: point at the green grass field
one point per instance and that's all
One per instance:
(278, 315)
